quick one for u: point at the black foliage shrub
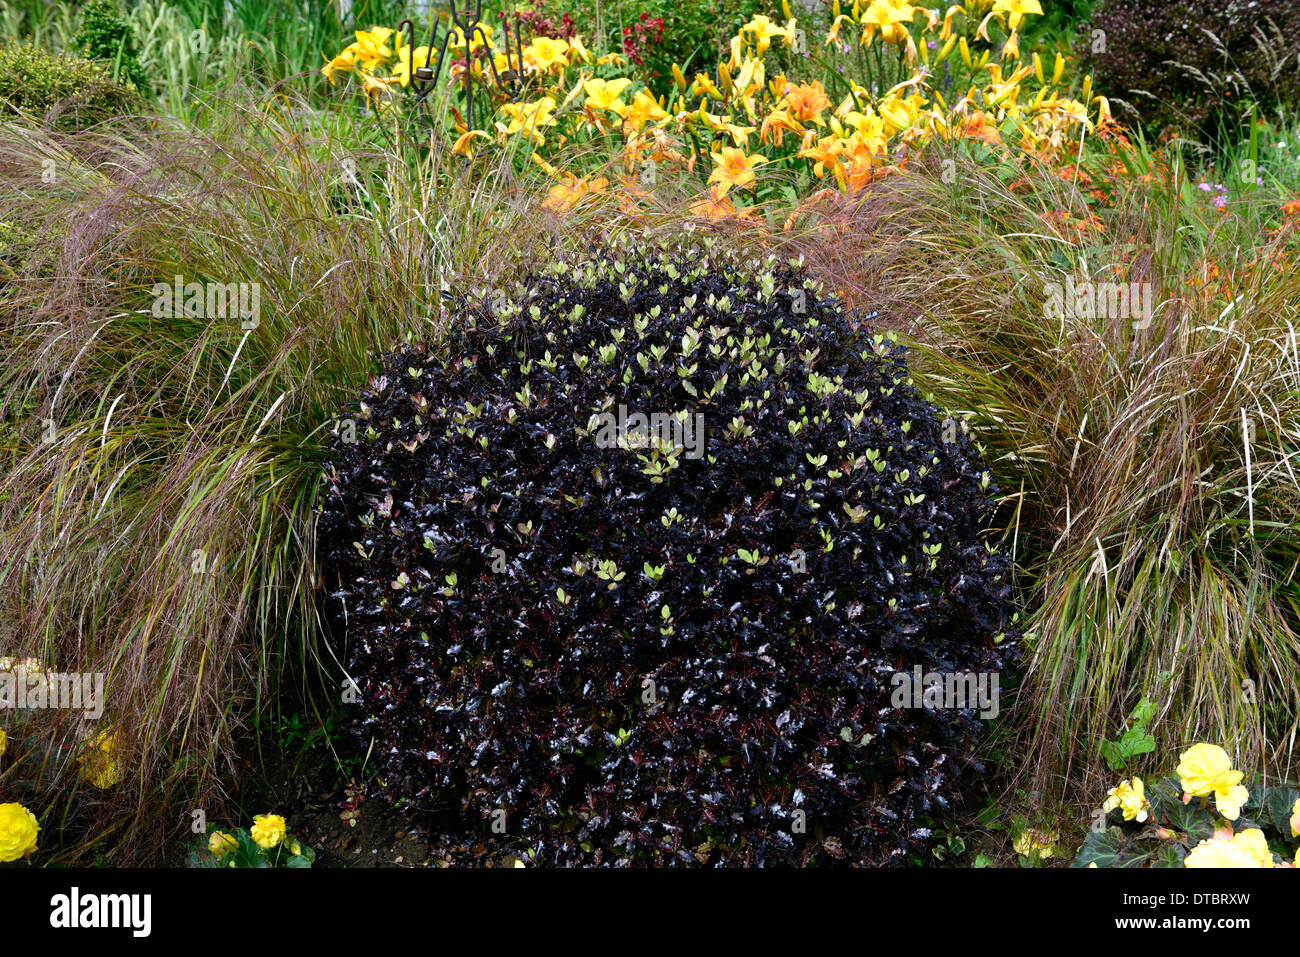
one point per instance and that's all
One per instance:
(1194, 66)
(642, 649)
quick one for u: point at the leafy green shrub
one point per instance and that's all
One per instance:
(1191, 65)
(1201, 816)
(106, 35)
(673, 638)
(66, 92)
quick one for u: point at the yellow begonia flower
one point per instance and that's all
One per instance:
(1031, 840)
(219, 843)
(1220, 853)
(1295, 815)
(1253, 842)
(100, 764)
(18, 830)
(604, 94)
(1205, 769)
(1130, 798)
(734, 169)
(267, 830)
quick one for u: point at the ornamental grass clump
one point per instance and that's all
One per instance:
(638, 569)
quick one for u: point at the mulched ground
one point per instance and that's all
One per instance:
(328, 812)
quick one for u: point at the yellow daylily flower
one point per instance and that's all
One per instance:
(375, 87)
(704, 84)
(563, 197)
(529, 118)
(828, 156)
(544, 53)
(833, 34)
(762, 31)
(776, 124)
(577, 51)
(405, 64)
(890, 18)
(465, 142)
(643, 109)
(717, 205)
(733, 168)
(723, 124)
(372, 47)
(345, 62)
(457, 42)
(1018, 9)
(604, 94)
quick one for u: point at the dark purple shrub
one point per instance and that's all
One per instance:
(638, 653)
(1192, 65)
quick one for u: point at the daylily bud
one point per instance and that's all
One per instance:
(1087, 89)
(1059, 69)
(945, 50)
(680, 78)
(1038, 69)
(965, 51)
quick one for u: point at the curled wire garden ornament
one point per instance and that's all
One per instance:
(470, 26)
